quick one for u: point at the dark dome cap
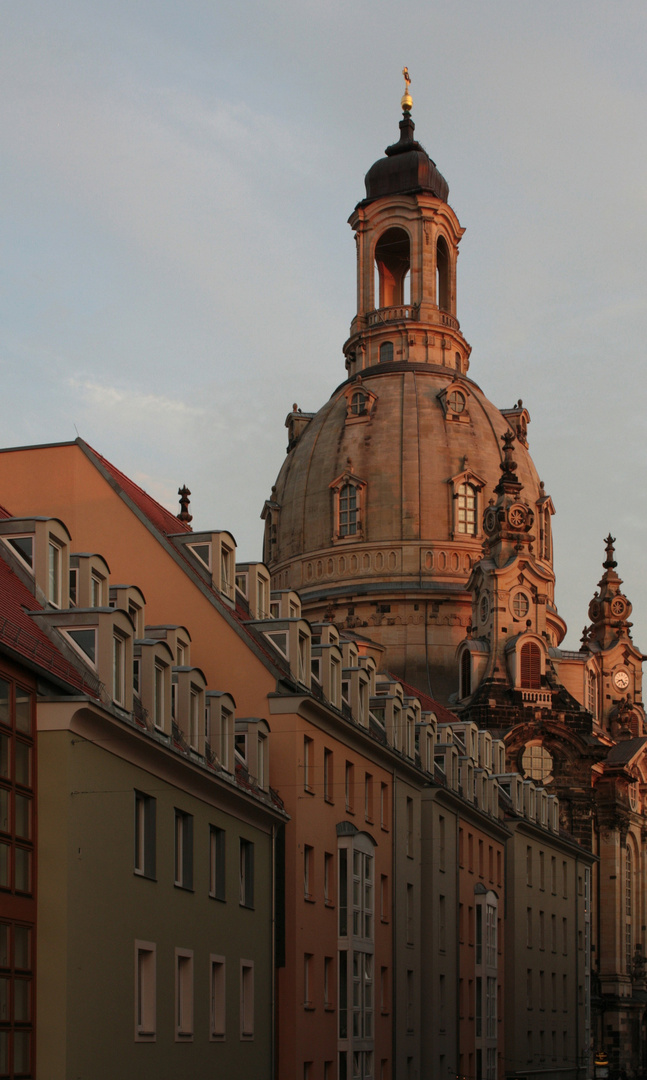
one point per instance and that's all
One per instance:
(406, 167)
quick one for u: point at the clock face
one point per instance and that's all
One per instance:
(517, 516)
(618, 606)
(489, 522)
(621, 680)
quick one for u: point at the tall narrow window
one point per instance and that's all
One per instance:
(246, 999)
(183, 850)
(246, 873)
(183, 995)
(145, 991)
(145, 811)
(217, 1002)
(308, 753)
(308, 857)
(349, 783)
(54, 573)
(530, 658)
(118, 669)
(327, 775)
(216, 862)
(466, 510)
(348, 510)
(393, 260)
(466, 674)
(158, 696)
(628, 908)
(443, 288)
(386, 352)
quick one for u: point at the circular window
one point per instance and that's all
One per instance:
(484, 609)
(618, 606)
(520, 605)
(537, 763)
(455, 401)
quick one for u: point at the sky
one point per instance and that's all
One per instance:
(176, 267)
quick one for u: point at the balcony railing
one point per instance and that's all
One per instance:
(393, 314)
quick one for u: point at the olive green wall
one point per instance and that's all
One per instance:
(92, 907)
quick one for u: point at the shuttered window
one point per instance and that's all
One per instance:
(530, 666)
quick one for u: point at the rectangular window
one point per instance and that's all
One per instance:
(565, 880)
(528, 865)
(409, 827)
(529, 927)
(183, 850)
(158, 696)
(54, 574)
(384, 898)
(409, 914)
(368, 796)
(542, 871)
(328, 775)
(328, 879)
(216, 862)
(384, 806)
(246, 873)
(328, 982)
(307, 980)
(145, 828)
(145, 991)
(217, 1000)
(442, 924)
(441, 842)
(308, 885)
(308, 754)
(183, 995)
(118, 669)
(246, 999)
(349, 779)
(553, 875)
(542, 930)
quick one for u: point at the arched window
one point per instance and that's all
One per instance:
(386, 352)
(393, 261)
(443, 291)
(537, 763)
(592, 693)
(629, 906)
(466, 510)
(530, 666)
(348, 510)
(546, 538)
(466, 674)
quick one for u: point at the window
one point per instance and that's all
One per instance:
(368, 797)
(328, 775)
(466, 674)
(409, 917)
(118, 669)
(158, 696)
(246, 873)
(384, 898)
(194, 717)
(145, 991)
(216, 862)
(308, 751)
(386, 352)
(530, 666)
(246, 999)
(349, 786)
(307, 980)
(628, 908)
(96, 581)
(183, 995)
(328, 982)
(328, 879)
(443, 290)
(145, 841)
(455, 401)
(308, 855)
(16, 800)
(384, 806)
(537, 763)
(393, 262)
(348, 510)
(55, 557)
(74, 587)
(16, 997)
(217, 999)
(466, 510)
(358, 403)
(409, 827)
(183, 850)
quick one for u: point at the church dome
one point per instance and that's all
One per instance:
(376, 517)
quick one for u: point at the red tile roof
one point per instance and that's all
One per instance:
(20, 633)
(157, 514)
(443, 715)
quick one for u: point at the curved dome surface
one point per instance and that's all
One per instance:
(407, 452)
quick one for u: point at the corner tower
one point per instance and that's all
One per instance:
(376, 517)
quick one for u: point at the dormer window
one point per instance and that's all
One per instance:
(118, 669)
(466, 510)
(456, 401)
(74, 586)
(159, 678)
(201, 552)
(386, 352)
(23, 547)
(85, 640)
(530, 666)
(96, 584)
(348, 511)
(54, 563)
(358, 403)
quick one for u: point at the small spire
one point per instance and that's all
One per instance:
(184, 514)
(407, 100)
(610, 563)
